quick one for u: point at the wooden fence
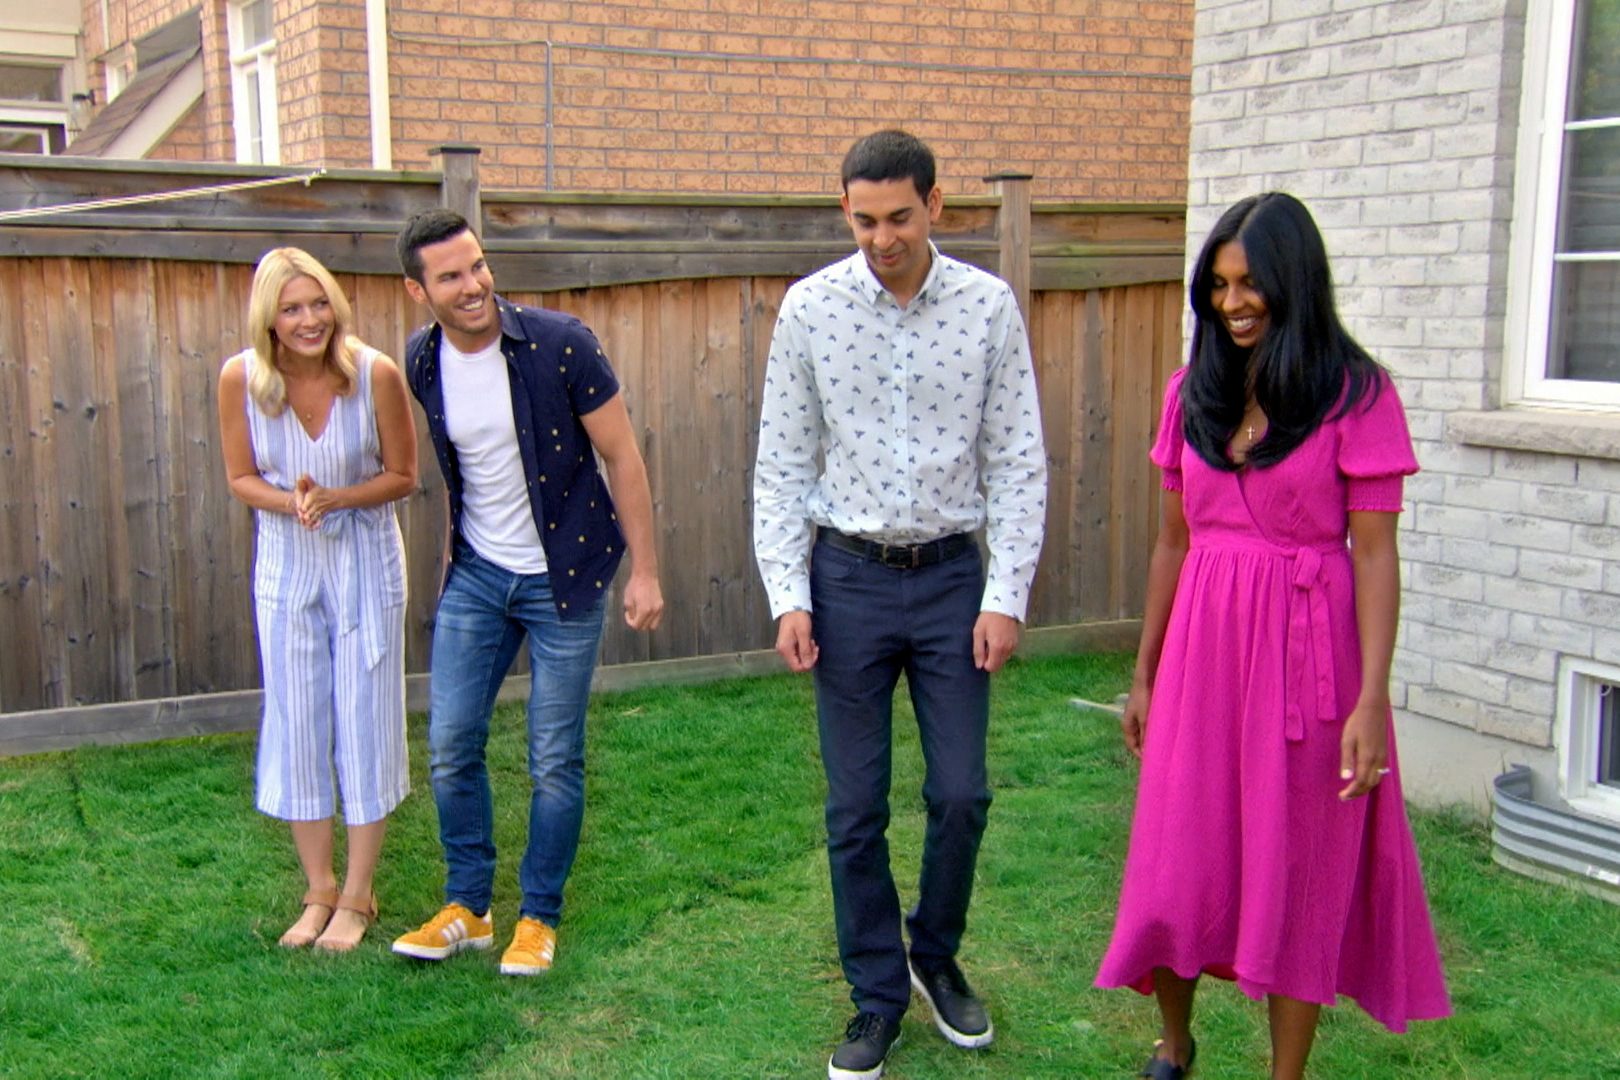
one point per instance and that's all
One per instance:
(125, 564)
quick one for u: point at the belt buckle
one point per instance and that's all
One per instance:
(903, 558)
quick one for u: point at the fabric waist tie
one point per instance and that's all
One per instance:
(1310, 641)
(1308, 679)
(360, 600)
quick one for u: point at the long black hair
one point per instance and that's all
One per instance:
(1304, 370)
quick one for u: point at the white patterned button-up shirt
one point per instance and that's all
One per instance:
(925, 419)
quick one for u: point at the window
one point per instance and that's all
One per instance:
(253, 82)
(30, 82)
(33, 113)
(120, 66)
(1608, 720)
(1564, 317)
(23, 139)
(1589, 743)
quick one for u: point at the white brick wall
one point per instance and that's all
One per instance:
(1396, 122)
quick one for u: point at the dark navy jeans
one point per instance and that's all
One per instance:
(871, 623)
(483, 616)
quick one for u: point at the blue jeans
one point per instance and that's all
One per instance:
(483, 615)
(872, 622)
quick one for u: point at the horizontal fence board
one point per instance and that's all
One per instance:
(567, 266)
(351, 252)
(348, 219)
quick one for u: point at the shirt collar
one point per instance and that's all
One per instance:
(511, 325)
(867, 283)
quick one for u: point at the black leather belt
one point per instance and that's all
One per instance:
(900, 556)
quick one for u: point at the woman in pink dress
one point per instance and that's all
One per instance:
(1270, 843)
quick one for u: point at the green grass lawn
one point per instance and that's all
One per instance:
(142, 898)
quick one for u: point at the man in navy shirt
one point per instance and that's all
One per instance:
(519, 402)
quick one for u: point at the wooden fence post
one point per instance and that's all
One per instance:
(1013, 231)
(459, 191)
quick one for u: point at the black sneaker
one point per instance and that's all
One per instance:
(867, 1042)
(959, 1015)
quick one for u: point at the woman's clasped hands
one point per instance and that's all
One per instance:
(312, 502)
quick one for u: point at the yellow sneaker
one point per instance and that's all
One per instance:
(452, 930)
(533, 945)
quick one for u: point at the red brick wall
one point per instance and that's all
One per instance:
(218, 118)
(187, 142)
(756, 96)
(970, 76)
(321, 82)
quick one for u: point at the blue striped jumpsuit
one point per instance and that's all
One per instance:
(330, 604)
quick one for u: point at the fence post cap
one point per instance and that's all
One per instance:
(993, 177)
(455, 148)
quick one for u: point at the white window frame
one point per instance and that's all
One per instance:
(119, 66)
(8, 127)
(38, 116)
(1579, 684)
(1549, 46)
(254, 62)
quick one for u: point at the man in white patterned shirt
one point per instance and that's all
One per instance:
(909, 374)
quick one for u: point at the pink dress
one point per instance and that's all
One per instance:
(1243, 863)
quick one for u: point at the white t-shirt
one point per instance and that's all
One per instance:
(496, 518)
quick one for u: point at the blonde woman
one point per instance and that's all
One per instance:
(318, 439)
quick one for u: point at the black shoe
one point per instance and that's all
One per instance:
(867, 1042)
(1158, 1068)
(959, 1015)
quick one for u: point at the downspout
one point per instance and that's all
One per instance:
(550, 146)
(382, 121)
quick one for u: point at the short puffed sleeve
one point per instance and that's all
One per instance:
(1375, 450)
(1166, 452)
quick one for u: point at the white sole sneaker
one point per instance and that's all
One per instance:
(459, 941)
(835, 1073)
(443, 952)
(954, 1037)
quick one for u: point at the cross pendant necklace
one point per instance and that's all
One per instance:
(1251, 433)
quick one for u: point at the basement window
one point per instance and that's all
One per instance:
(1608, 760)
(1589, 743)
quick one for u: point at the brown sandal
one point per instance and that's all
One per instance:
(363, 906)
(326, 898)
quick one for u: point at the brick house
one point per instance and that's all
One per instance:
(1463, 159)
(748, 96)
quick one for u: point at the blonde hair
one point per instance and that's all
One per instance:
(278, 267)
